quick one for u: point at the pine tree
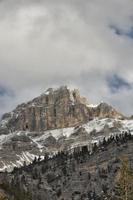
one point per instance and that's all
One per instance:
(124, 188)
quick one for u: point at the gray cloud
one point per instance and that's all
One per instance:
(117, 83)
(49, 43)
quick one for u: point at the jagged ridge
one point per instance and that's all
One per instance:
(54, 109)
(55, 121)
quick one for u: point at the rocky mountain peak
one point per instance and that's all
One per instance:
(64, 92)
(57, 120)
(55, 108)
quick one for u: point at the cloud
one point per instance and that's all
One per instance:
(48, 43)
(6, 95)
(117, 83)
(122, 32)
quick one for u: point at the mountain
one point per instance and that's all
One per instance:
(57, 120)
(55, 109)
(77, 175)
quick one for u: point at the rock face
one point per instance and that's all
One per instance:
(104, 110)
(54, 109)
(56, 121)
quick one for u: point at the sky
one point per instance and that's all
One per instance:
(85, 44)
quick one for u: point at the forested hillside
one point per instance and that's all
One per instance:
(78, 175)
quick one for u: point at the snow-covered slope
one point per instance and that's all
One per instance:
(19, 147)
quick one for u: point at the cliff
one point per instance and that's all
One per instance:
(55, 109)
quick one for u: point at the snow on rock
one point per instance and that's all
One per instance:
(5, 138)
(92, 105)
(57, 133)
(4, 122)
(7, 167)
(69, 140)
(127, 125)
(25, 157)
(98, 124)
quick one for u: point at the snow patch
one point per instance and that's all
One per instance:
(92, 105)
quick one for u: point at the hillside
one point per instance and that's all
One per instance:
(77, 175)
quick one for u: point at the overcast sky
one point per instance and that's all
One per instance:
(87, 44)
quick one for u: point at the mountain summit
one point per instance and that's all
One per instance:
(55, 109)
(57, 120)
